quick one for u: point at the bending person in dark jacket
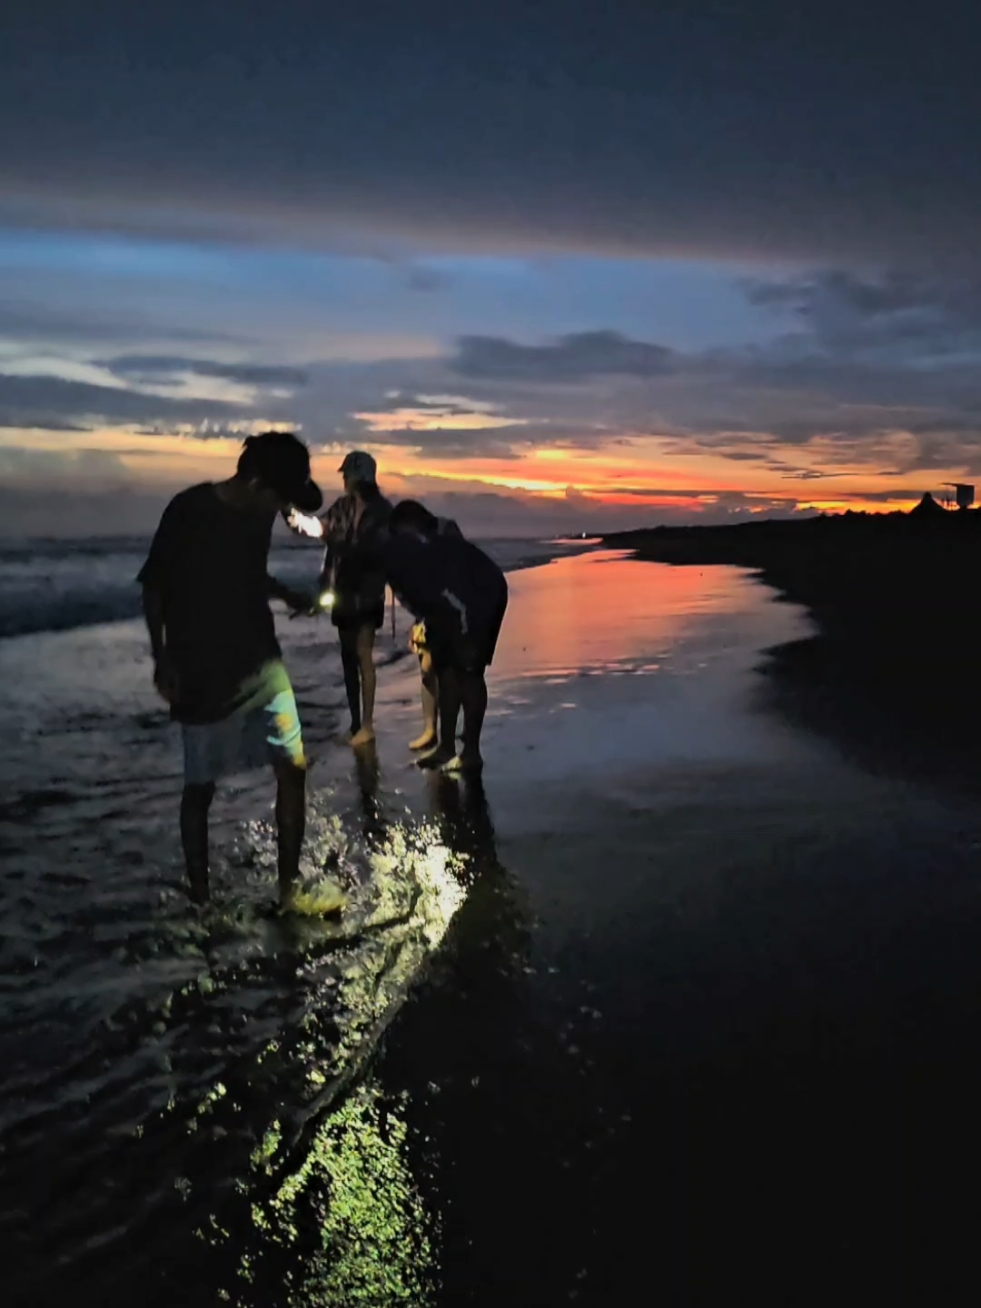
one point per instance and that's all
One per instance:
(461, 595)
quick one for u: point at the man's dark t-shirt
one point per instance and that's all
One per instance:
(208, 562)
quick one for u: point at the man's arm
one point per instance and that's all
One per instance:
(153, 612)
(164, 675)
(154, 580)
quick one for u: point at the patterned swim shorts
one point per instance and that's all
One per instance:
(263, 730)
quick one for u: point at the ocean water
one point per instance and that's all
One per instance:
(56, 585)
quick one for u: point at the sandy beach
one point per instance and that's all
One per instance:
(677, 1004)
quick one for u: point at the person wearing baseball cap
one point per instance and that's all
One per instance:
(359, 468)
(353, 576)
(217, 662)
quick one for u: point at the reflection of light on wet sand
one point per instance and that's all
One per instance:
(597, 613)
(661, 661)
(352, 1175)
(332, 1159)
(374, 1241)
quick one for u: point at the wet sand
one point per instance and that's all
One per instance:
(707, 1030)
(890, 670)
(691, 1017)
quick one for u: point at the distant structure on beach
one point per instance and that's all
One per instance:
(927, 507)
(959, 494)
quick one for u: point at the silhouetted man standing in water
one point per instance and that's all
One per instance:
(217, 662)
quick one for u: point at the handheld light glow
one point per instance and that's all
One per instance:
(307, 524)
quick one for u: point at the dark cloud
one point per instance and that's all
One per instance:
(806, 474)
(440, 406)
(590, 389)
(886, 295)
(54, 403)
(27, 321)
(421, 278)
(879, 372)
(830, 130)
(570, 359)
(147, 366)
(901, 316)
(456, 443)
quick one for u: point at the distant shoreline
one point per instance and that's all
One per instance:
(892, 673)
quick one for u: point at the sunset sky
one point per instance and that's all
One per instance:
(559, 266)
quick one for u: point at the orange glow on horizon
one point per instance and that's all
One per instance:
(858, 505)
(642, 473)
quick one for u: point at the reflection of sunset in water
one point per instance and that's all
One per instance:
(604, 608)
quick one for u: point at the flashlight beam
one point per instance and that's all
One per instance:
(307, 524)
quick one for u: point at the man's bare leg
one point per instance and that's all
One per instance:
(473, 694)
(449, 712)
(291, 817)
(195, 803)
(352, 676)
(366, 666)
(323, 895)
(429, 693)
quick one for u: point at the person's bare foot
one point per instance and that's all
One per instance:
(465, 762)
(363, 737)
(435, 758)
(426, 741)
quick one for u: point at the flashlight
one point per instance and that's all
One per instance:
(307, 524)
(325, 599)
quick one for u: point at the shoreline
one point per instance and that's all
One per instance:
(85, 584)
(890, 671)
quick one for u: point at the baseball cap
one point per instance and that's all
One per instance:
(282, 461)
(360, 465)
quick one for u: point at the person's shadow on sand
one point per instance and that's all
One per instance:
(466, 823)
(367, 773)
